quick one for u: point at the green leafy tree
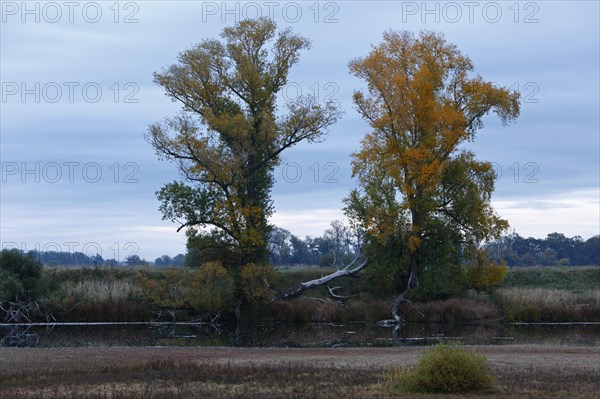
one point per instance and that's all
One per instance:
(135, 260)
(417, 186)
(163, 260)
(230, 134)
(278, 245)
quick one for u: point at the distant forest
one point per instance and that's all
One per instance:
(555, 249)
(340, 245)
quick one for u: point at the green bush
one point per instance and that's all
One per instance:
(209, 288)
(20, 275)
(444, 369)
(256, 282)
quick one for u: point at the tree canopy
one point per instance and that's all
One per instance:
(229, 136)
(20, 275)
(419, 191)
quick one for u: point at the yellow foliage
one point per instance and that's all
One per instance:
(413, 243)
(256, 282)
(167, 289)
(213, 288)
(486, 274)
(209, 288)
(422, 105)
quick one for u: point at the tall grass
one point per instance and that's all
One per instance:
(548, 305)
(95, 294)
(95, 291)
(553, 294)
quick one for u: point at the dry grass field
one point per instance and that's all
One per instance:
(522, 371)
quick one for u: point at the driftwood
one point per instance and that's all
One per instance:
(349, 270)
(396, 319)
(13, 315)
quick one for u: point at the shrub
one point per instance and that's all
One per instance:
(486, 274)
(20, 275)
(213, 288)
(207, 289)
(446, 280)
(444, 369)
(257, 281)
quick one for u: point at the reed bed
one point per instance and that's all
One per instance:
(548, 305)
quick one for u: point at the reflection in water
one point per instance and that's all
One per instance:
(18, 335)
(301, 335)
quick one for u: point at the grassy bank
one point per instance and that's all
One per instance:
(550, 294)
(575, 278)
(548, 305)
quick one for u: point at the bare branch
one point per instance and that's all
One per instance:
(342, 297)
(300, 288)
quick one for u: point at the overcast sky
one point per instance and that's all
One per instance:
(77, 95)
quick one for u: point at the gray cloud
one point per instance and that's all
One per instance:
(553, 61)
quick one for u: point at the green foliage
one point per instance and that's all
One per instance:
(578, 279)
(555, 250)
(213, 288)
(455, 276)
(442, 272)
(439, 282)
(209, 288)
(231, 132)
(257, 281)
(20, 275)
(387, 267)
(210, 246)
(444, 369)
(416, 184)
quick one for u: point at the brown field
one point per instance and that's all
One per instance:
(522, 371)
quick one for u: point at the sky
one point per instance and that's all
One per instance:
(77, 96)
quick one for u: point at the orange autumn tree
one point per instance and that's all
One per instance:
(423, 201)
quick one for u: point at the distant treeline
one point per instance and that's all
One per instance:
(555, 249)
(54, 258)
(339, 244)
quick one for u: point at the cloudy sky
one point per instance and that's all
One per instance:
(77, 95)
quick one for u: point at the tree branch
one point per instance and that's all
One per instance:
(300, 288)
(336, 296)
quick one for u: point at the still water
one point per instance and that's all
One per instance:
(297, 335)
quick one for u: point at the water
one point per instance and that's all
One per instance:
(303, 335)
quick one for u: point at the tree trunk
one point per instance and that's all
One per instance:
(411, 283)
(413, 256)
